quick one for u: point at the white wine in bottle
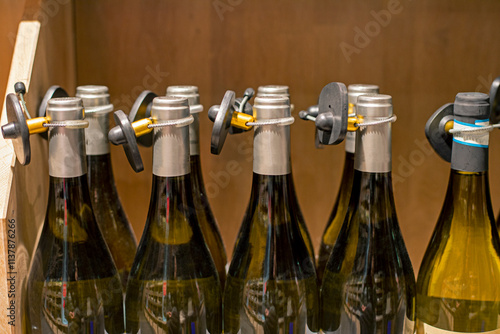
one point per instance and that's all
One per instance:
(106, 204)
(339, 210)
(369, 284)
(173, 286)
(458, 285)
(271, 285)
(73, 284)
(206, 218)
(269, 90)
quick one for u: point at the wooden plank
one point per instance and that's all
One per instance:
(44, 54)
(423, 55)
(21, 70)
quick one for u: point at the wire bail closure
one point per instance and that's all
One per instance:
(478, 130)
(70, 124)
(177, 123)
(276, 121)
(390, 119)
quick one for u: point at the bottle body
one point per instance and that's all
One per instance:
(271, 285)
(73, 285)
(458, 286)
(337, 216)
(369, 285)
(110, 215)
(207, 221)
(173, 286)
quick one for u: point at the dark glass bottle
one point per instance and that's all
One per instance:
(458, 286)
(339, 210)
(106, 204)
(369, 285)
(271, 90)
(73, 284)
(271, 285)
(173, 285)
(206, 218)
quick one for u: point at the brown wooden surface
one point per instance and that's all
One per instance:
(429, 51)
(43, 53)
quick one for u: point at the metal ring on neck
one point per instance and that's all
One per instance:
(70, 124)
(275, 121)
(176, 122)
(391, 119)
(482, 129)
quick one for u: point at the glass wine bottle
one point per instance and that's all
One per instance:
(206, 218)
(339, 210)
(173, 286)
(269, 90)
(369, 285)
(106, 204)
(458, 285)
(73, 284)
(271, 285)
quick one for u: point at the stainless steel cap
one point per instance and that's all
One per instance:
(374, 105)
(171, 143)
(65, 108)
(355, 90)
(189, 92)
(93, 95)
(169, 108)
(271, 106)
(273, 90)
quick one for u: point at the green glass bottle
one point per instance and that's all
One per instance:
(106, 204)
(73, 284)
(270, 90)
(271, 285)
(458, 285)
(339, 210)
(173, 286)
(369, 285)
(206, 218)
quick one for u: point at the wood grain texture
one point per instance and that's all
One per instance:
(422, 54)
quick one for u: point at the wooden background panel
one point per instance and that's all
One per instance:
(10, 16)
(420, 52)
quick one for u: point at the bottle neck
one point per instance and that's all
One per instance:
(347, 177)
(468, 198)
(199, 193)
(194, 136)
(100, 173)
(172, 216)
(373, 148)
(66, 152)
(70, 209)
(272, 194)
(372, 193)
(96, 135)
(470, 150)
(271, 150)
